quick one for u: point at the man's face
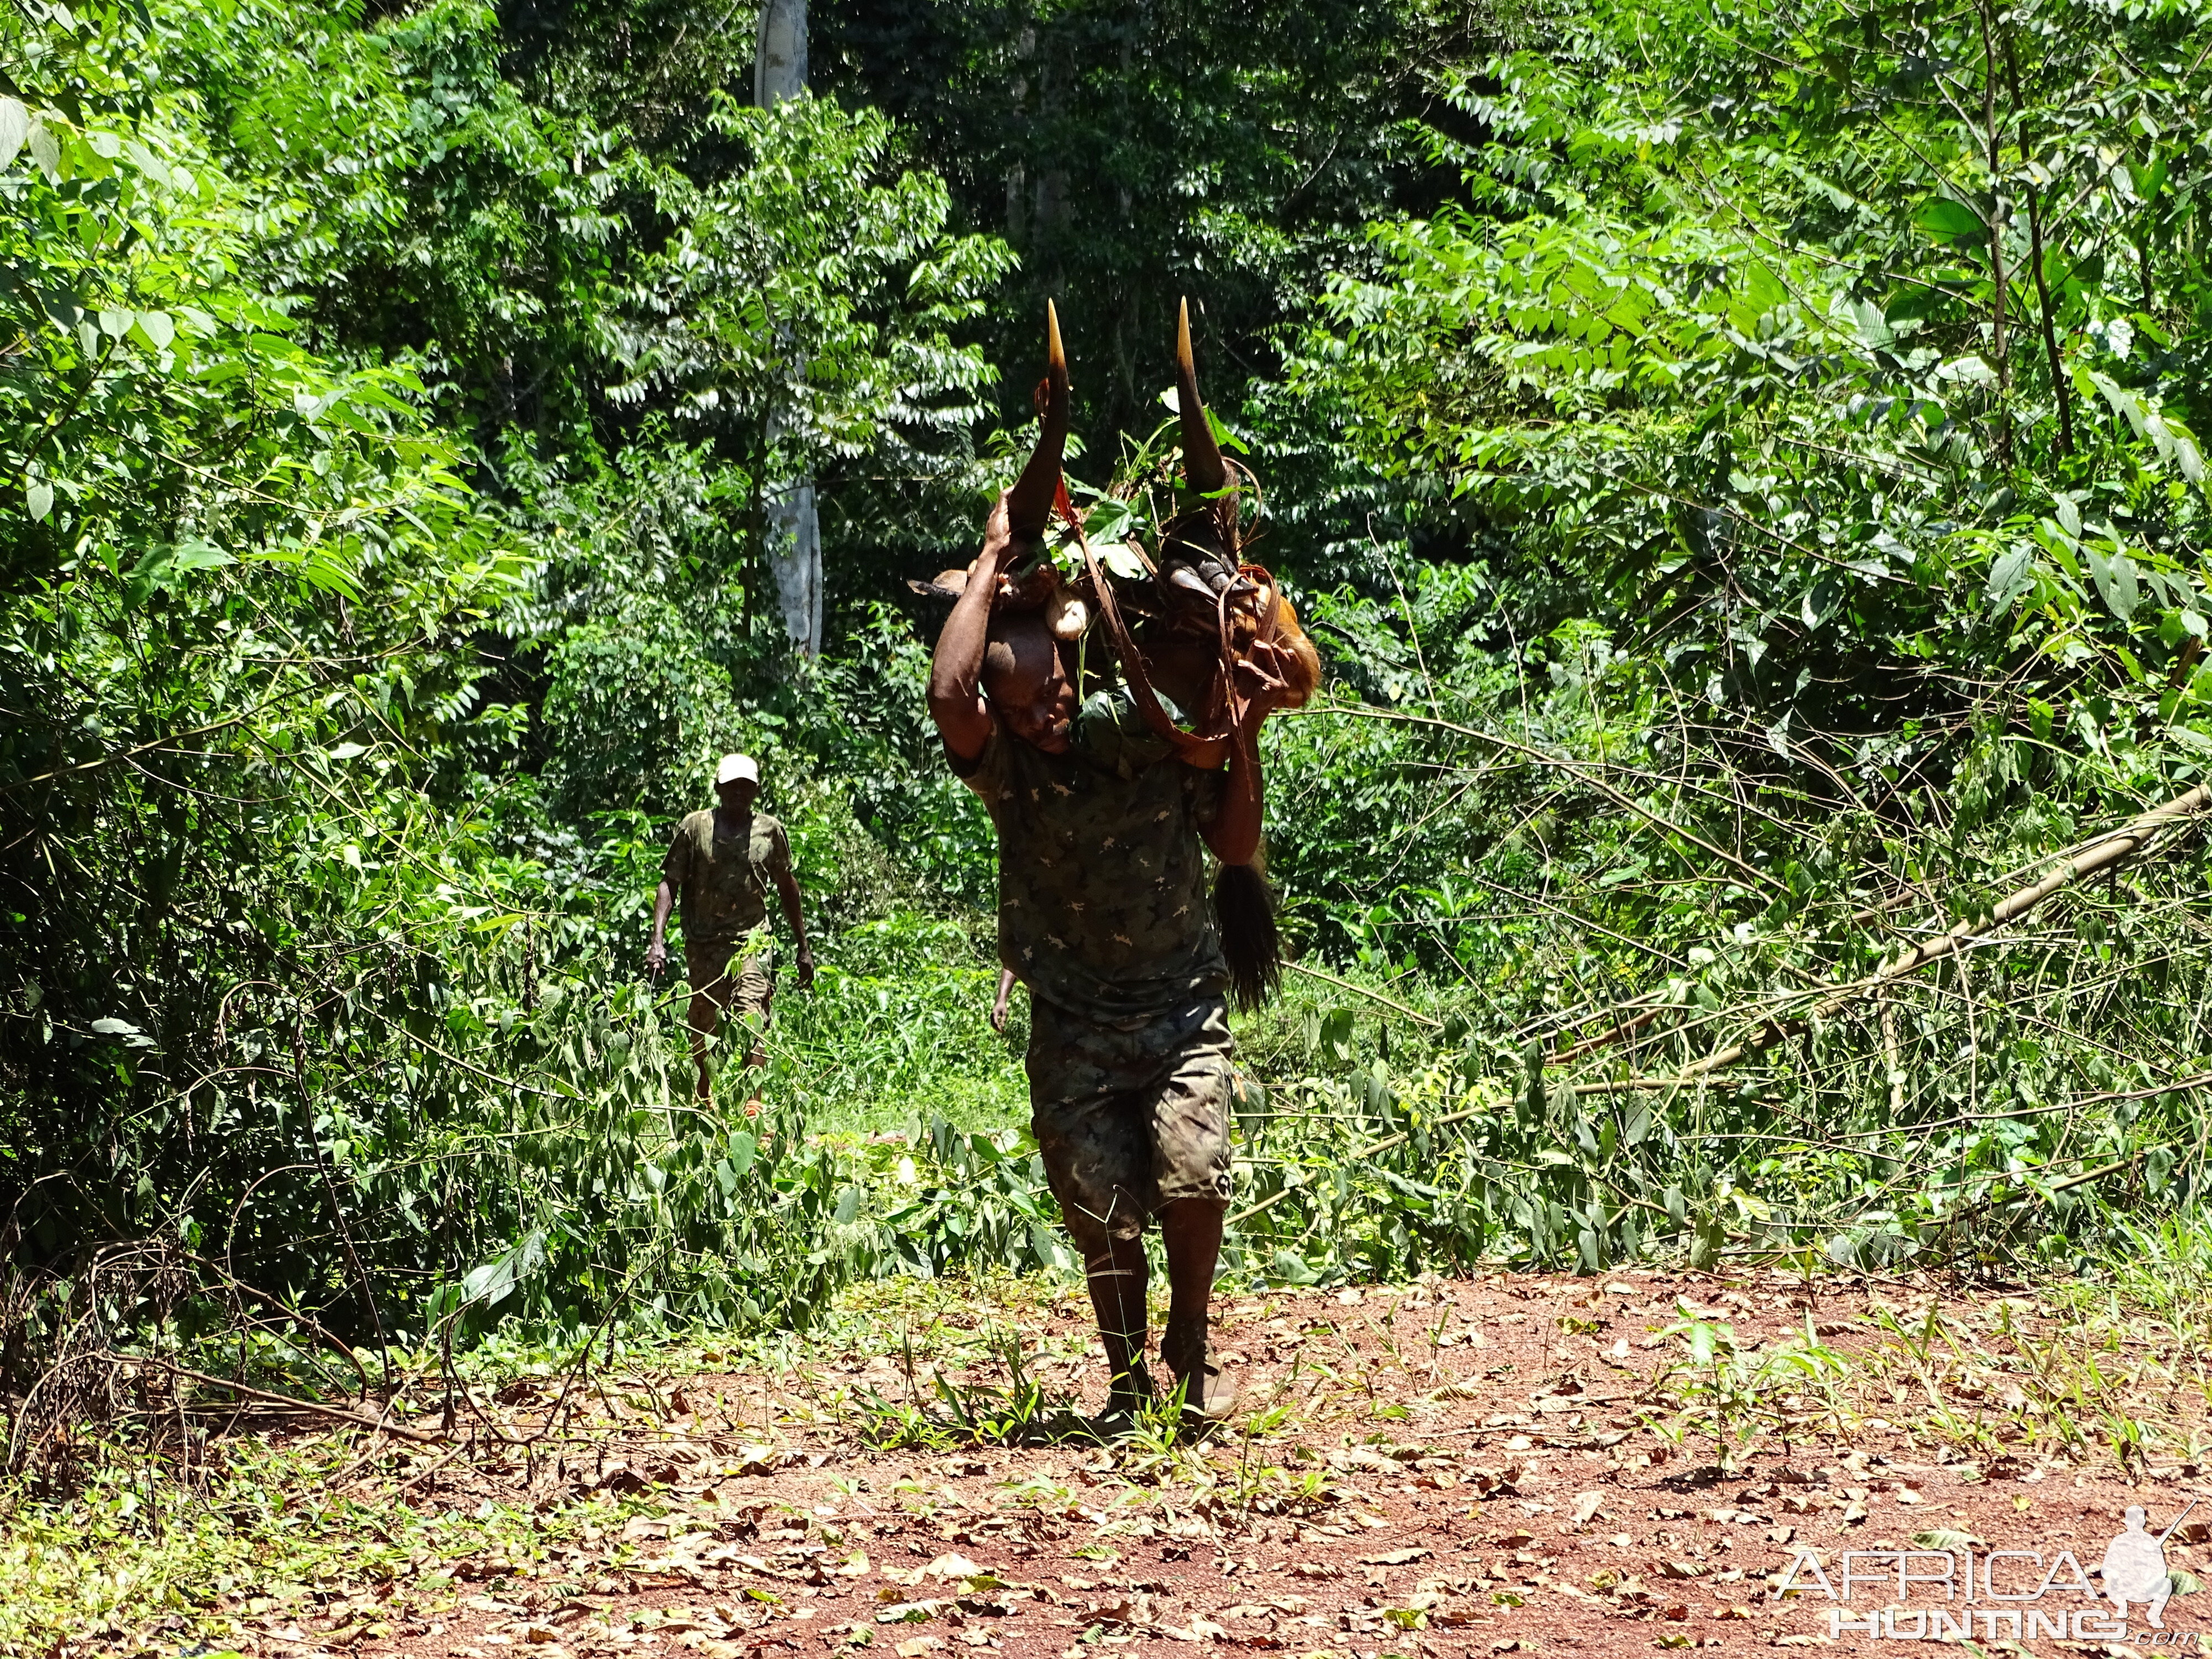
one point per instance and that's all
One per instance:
(737, 796)
(1043, 718)
(1028, 684)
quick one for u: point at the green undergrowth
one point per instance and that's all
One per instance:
(145, 1558)
(895, 1030)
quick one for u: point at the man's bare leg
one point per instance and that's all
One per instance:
(756, 1061)
(706, 1015)
(1191, 1229)
(1118, 1279)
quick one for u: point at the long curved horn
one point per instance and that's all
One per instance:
(1029, 504)
(1202, 464)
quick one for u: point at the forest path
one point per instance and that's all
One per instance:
(1512, 1464)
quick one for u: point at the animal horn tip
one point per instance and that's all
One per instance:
(1201, 458)
(1029, 502)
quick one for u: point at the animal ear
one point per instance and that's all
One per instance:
(1202, 466)
(1029, 504)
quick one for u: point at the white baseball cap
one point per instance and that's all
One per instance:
(736, 769)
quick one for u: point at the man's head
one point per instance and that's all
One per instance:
(1026, 682)
(737, 782)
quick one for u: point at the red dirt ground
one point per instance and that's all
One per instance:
(1464, 1468)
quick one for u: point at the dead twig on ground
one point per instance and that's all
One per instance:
(315, 1408)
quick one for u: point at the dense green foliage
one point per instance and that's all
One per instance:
(309, 468)
(1741, 467)
(1818, 397)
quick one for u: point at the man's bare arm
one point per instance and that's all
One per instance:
(656, 954)
(786, 887)
(956, 672)
(1234, 834)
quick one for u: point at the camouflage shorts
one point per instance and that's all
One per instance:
(1128, 1121)
(707, 965)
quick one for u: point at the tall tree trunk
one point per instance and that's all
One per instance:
(794, 529)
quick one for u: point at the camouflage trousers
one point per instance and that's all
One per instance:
(1130, 1119)
(715, 971)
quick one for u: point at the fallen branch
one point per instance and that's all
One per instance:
(1361, 990)
(2101, 854)
(338, 1481)
(292, 1402)
(1620, 1030)
(1645, 1015)
(421, 1475)
(1998, 1200)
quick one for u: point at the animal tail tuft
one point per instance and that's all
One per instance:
(1245, 907)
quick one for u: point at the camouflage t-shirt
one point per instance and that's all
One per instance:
(1102, 909)
(723, 878)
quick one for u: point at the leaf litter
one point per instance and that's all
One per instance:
(1452, 1467)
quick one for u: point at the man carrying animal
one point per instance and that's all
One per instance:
(1103, 914)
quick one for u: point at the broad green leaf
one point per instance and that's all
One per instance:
(1336, 1035)
(2127, 403)
(2114, 574)
(1971, 369)
(492, 1282)
(45, 151)
(15, 128)
(2011, 574)
(1948, 220)
(1222, 435)
(191, 555)
(1122, 559)
(1707, 1240)
(1872, 327)
(38, 499)
(1109, 520)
